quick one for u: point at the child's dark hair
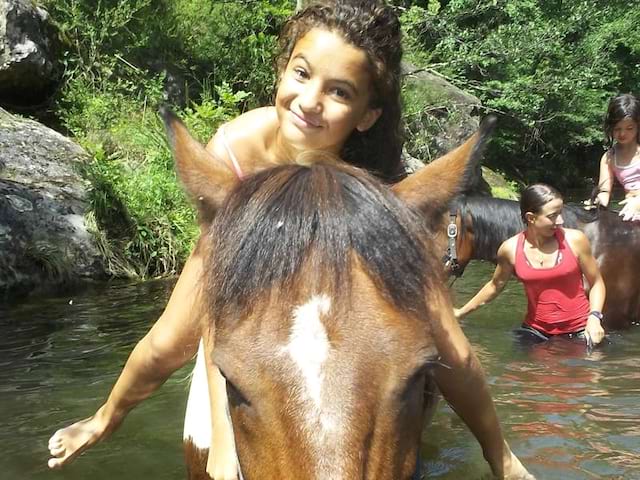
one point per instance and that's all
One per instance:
(620, 107)
(372, 26)
(536, 196)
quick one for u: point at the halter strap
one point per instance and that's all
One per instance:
(451, 257)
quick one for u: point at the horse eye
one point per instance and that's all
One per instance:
(235, 396)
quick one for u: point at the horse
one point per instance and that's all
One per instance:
(322, 296)
(483, 223)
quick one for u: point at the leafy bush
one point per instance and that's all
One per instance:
(548, 68)
(119, 55)
(136, 197)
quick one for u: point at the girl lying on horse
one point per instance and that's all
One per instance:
(338, 93)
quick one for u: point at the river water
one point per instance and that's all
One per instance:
(566, 413)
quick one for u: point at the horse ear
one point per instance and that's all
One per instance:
(433, 186)
(206, 179)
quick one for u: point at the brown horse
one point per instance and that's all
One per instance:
(485, 222)
(323, 293)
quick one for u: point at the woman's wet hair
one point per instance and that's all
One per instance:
(535, 197)
(620, 107)
(373, 27)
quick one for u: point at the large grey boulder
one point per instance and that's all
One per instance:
(439, 117)
(28, 49)
(43, 202)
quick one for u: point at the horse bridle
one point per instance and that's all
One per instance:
(450, 258)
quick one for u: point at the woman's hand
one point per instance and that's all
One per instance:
(514, 470)
(594, 331)
(457, 312)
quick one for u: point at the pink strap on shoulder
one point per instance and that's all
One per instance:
(235, 166)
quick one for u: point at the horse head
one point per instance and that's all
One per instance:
(320, 286)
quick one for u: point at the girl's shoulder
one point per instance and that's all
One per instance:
(572, 233)
(576, 239)
(608, 156)
(257, 126)
(245, 139)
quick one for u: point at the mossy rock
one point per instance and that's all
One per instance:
(438, 115)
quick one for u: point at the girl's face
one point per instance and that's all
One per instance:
(625, 131)
(549, 218)
(324, 93)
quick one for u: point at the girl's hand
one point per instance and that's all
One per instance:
(457, 312)
(631, 209)
(601, 199)
(594, 331)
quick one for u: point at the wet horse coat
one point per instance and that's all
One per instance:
(485, 222)
(320, 287)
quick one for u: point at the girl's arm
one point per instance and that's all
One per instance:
(462, 382)
(169, 345)
(605, 180)
(493, 287)
(580, 245)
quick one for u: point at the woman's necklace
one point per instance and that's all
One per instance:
(538, 255)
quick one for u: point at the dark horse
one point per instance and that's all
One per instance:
(485, 222)
(327, 309)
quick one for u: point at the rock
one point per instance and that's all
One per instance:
(44, 237)
(438, 117)
(28, 48)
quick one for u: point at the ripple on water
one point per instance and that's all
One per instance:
(566, 414)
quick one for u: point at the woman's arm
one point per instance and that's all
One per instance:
(169, 345)
(582, 248)
(493, 287)
(462, 382)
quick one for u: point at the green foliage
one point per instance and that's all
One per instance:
(136, 197)
(117, 58)
(231, 41)
(548, 68)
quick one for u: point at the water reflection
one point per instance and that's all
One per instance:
(566, 413)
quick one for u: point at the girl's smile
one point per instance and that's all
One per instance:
(304, 121)
(324, 93)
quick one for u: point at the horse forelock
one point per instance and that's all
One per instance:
(294, 229)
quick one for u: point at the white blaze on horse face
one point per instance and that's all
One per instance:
(309, 348)
(197, 420)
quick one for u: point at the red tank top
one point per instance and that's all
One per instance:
(557, 302)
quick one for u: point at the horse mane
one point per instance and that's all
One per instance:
(575, 215)
(294, 230)
(493, 221)
(496, 219)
